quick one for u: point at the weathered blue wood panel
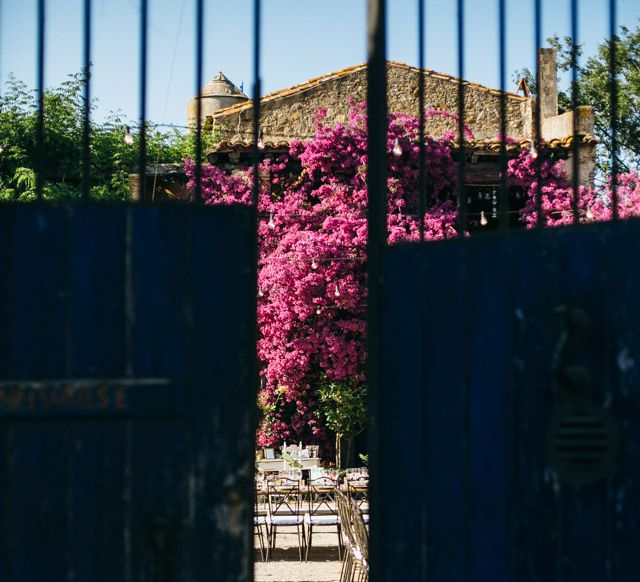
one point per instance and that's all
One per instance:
(622, 314)
(97, 328)
(446, 514)
(583, 509)
(493, 375)
(127, 458)
(37, 337)
(38, 292)
(535, 335)
(97, 308)
(489, 410)
(160, 344)
(402, 403)
(222, 366)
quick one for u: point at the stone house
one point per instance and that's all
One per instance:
(288, 114)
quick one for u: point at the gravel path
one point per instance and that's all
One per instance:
(284, 566)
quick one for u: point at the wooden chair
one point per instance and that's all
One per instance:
(362, 542)
(284, 510)
(260, 524)
(347, 537)
(321, 510)
(355, 562)
(358, 493)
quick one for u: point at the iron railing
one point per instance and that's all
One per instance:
(377, 146)
(377, 160)
(376, 99)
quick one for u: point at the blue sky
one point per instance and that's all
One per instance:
(301, 39)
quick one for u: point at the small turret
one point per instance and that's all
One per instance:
(216, 94)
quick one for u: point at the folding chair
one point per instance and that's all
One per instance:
(321, 509)
(361, 549)
(348, 537)
(260, 522)
(359, 495)
(284, 510)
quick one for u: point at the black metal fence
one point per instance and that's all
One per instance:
(376, 98)
(393, 548)
(377, 150)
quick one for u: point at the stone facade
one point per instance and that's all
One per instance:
(289, 114)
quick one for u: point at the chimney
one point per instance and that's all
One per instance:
(548, 82)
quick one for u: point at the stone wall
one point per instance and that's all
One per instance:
(288, 114)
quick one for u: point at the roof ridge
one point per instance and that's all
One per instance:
(454, 79)
(314, 81)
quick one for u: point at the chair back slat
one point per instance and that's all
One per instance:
(359, 495)
(321, 497)
(284, 498)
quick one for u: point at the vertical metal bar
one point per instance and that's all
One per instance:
(421, 114)
(39, 157)
(462, 199)
(574, 107)
(1, 33)
(610, 346)
(377, 228)
(199, 67)
(256, 101)
(611, 343)
(537, 117)
(503, 199)
(86, 118)
(142, 155)
(613, 75)
(257, 90)
(129, 314)
(464, 349)
(424, 521)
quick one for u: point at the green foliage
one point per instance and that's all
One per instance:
(344, 407)
(594, 87)
(24, 179)
(111, 158)
(291, 462)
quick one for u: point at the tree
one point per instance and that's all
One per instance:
(312, 265)
(595, 88)
(312, 256)
(344, 408)
(111, 158)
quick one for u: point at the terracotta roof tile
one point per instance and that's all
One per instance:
(244, 146)
(491, 145)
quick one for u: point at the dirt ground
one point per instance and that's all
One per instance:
(284, 566)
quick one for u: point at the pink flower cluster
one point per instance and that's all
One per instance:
(312, 248)
(559, 202)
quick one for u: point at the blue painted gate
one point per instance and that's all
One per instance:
(510, 446)
(127, 396)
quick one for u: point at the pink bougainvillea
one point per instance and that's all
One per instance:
(559, 202)
(312, 255)
(312, 248)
